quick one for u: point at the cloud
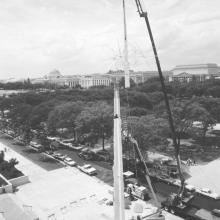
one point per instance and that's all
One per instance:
(87, 36)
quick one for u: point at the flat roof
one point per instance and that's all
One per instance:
(10, 207)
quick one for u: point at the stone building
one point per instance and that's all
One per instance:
(85, 81)
(197, 72)
(181, 73)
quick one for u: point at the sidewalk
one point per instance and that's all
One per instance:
(26, 166)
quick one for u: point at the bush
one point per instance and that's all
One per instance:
(8, 170)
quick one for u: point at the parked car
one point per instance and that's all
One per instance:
(57, 155)
(10, 132)
(87, 168)
(19, 141)
(62, 157)
(33, 143)
(49, 152)
(102, 155)
(85, 156)
(70, 162)
(36, 146)
(75, 147)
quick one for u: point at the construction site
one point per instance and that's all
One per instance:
(133, 190)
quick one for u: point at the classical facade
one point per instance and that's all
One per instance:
(139, 76)
(85, 81)
(181, 73)
(196, 72)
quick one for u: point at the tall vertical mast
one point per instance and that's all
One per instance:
(118, 163)
(126, 64)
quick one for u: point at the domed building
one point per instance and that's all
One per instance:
(55, 74)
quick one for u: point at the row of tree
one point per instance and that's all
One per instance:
(88, 114)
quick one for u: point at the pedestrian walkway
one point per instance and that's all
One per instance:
(26, 166)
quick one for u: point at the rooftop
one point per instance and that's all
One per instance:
(190, 66)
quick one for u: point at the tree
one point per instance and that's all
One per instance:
(137, 111)
(96, 121)
(214, 91)
(212, 105)
(42, 136)
(2, 106)
(122, 82)
(2, 156)
(207, 112)
(183, 118)
(151, 85)
(156, 97)
(136, 99)
(12, 162)
(40, 113)
(5, 104)
(20, 116)
(199, 113)
(149, 131)
(64, 116)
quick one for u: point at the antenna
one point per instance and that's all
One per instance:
(126, 64)
(118, 162)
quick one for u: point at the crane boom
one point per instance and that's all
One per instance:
(143, 13)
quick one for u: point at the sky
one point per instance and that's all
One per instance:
(86, 36)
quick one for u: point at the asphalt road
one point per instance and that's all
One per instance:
(104, 171)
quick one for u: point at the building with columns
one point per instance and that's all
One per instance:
(181, 73)
(85, 81)
(195, 72)
(138, 76)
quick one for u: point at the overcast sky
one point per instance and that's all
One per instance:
(86, 36)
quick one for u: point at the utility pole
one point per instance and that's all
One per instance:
(126, 64)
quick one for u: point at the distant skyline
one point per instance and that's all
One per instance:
(78, 37)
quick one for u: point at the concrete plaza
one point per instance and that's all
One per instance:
(65, 193)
